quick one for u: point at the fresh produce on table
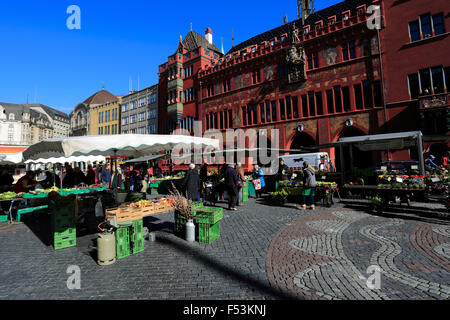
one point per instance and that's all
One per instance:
(8, 196)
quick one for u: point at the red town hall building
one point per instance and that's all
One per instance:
(322, 77)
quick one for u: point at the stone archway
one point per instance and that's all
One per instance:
(301, 140)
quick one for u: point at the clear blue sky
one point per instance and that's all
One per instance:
(41, 57)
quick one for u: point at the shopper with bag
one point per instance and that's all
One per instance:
(309, 185)
(258, 181)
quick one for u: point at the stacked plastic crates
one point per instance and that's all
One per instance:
(130, 239)
(207, 221)
(63, 224)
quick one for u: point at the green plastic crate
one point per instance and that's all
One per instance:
(37, 210)
(34, 196)
(122, 243)
(209, 215)
(180, 222)
(64, 231)
(4, 218)
(208, 233)
(65, 242)
(137, 230)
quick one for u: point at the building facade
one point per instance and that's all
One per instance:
(417, 67)
(316, 79)
(22, 126)
(179, 86)
(140, 112)
(80, 117)
(105, 118)
(59, 120)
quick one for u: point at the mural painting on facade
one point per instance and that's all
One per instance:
(330, 55)
(338, 123)
(369, 45)
(238, 81)
(269, 71)
(309, 126)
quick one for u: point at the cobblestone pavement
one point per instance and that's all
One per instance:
(327, 255)
(264, 252)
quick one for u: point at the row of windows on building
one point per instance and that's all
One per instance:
(426, 26)
(366, 95)
(107, 116)
(107, 130)
(219, 120)
(429, 81)
(187, 95)
(142, 103)
(151, 129)
(348, 52)
(140, 117)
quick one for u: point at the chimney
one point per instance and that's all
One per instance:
(208, 35)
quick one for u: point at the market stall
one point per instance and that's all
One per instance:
(124, 217)
(292, 190)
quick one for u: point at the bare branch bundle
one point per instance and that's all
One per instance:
(181, 203)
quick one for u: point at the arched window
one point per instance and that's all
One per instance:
(12, 116)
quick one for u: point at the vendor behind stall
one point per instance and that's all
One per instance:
(26, 183)
(6, 181)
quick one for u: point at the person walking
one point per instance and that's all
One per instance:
(241, 184)
(231, 185)
(191, 183)
(309, 183)
(258, 174)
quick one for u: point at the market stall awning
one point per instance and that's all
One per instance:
(129, 145)
(11, 158)
(63, 160)
(148, 158)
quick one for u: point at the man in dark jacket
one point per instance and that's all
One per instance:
(191, 183)
(283, 171)
(231, 184)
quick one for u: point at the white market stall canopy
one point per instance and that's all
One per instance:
(149, 158)
(11, 158)
(63, 160)
(390, 141)
(128, 145)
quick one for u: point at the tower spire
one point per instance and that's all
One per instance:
(223, 52)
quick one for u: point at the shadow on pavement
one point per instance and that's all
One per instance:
(407, 213)
(219, 266)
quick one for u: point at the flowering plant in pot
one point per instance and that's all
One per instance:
(184, 206)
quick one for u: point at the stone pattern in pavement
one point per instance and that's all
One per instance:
(326, 255)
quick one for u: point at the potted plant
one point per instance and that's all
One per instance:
(184, 206)
(377, 203)
(280, 196)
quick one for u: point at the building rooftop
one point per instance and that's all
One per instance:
(335, 10)
(100, 97)
(195, 40)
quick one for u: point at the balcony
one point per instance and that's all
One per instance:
(175, 83)
(434, 101)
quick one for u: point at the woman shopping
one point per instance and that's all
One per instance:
(309, 184)
(258, 181)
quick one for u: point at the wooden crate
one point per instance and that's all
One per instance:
(147, 211)
(125, 214)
